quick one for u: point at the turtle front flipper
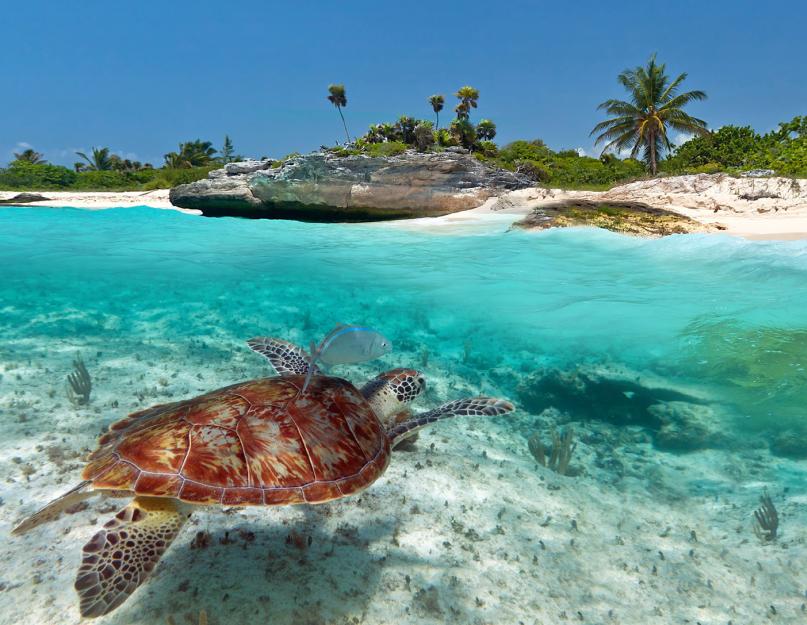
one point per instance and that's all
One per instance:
(122, 555)
(54, 509)
(475, 406)
(286, 358)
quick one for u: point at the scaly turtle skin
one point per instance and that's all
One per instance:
(256, 443)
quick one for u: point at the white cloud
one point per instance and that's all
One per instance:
(581, 152)
(679, 138)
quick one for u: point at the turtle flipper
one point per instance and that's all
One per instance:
(54, 509)
(474, 406)
(122, 555)
(286, 358)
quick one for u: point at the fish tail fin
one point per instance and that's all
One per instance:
(315, 352)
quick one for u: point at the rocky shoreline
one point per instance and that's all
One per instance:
(324, 187)
(451, 191)
(633, 218)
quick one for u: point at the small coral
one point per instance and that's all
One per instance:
(766, 520)
(560, 454)
(79, 384)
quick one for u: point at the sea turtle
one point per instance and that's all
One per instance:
(260, 442)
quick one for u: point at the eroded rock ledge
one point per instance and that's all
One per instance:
(322, 187)
(633, 218)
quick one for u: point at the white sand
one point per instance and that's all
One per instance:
(96, 200)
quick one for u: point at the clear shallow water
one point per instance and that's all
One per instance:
(709, 333)
(724, 315)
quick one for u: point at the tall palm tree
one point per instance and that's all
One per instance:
(437, 101)
(338, 98)
(100, 161)
(30, 156)
(468, 97)
(655, 105)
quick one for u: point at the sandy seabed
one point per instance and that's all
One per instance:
(464, 528)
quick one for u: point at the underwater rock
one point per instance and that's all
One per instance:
(678, 421)
(790, 444)
(324, 187)
(625, 217)
(685, 426)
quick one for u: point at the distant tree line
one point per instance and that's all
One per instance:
(101, 169)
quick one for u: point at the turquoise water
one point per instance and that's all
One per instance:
(724, 316)
(679, 363)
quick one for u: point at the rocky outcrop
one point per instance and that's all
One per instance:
(633, 218)
(324, 187)
(714, 191)
(24, 198)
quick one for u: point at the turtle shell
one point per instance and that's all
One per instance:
(255, 443)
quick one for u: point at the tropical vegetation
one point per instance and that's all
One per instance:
(735, 149)
(640, 127)
(100, 169)
(643, 122)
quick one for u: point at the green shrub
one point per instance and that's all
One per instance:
(88, 180)
(783, 150)
(424, 136)
(25, 175)
(487, 149)
(524, 151)
(708, 168)
(445, 139)
(464, 132)
(390, 148)
(534, 170)
(169, 177)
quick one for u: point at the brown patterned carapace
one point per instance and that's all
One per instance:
(255, 443)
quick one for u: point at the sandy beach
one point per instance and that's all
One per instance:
(96, 200)
(767, 208)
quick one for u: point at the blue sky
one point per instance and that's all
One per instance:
(141, 77)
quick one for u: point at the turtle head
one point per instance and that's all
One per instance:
(391, 392)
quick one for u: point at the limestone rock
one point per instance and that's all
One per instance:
(324, 187)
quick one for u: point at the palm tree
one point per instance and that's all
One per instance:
(654, 106)
(468, 97)
(191, 154)
(485, 130)
(338, 98)
(100, 161)
(30, 156)
(437, 102)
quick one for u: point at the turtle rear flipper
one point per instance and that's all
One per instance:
(54, 509)
(122, 555)
(474, 406)
(286, 358)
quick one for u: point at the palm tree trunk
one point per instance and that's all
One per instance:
(653, 153)
(339, 108)
(437, 114)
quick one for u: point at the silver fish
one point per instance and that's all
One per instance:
(346, 345)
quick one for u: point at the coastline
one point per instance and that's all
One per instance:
(99, 200)
(714, 201)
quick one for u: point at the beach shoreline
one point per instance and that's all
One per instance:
(721, 211)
